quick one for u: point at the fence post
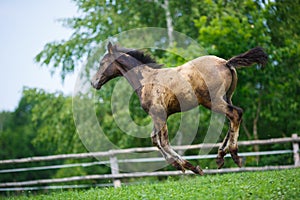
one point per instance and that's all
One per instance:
(296, 150)
(114, 166)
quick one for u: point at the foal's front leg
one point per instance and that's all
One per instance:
(160, 139)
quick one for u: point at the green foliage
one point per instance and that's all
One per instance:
(251, 185)
(53, 120)
(17, 132)
(225, 32)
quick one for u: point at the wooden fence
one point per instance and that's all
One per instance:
(114, 162)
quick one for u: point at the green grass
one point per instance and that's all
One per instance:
(283, 184)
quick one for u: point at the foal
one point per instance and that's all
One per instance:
(207, 80)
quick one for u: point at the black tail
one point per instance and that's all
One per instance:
(255, 55)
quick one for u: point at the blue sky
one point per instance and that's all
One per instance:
(26, 26)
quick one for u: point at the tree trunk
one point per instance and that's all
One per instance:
(255, 133)
(169, 20)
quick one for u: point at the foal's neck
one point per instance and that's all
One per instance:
(127, 63)
(132, 70)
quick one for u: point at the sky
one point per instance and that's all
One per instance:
(25, 27)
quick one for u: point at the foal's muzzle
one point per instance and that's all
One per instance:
(96, 83)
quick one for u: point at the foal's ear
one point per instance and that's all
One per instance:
(110, 48)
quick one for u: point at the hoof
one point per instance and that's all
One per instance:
(220, 158)
(237, 159)
(220, 162)
(196, 170)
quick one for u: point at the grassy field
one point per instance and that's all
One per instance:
(283, 184)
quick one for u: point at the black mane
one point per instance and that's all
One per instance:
(141, 56)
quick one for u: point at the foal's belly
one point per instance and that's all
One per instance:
(171, 98)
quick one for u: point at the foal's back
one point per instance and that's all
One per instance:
(207, 73)
(184, 87)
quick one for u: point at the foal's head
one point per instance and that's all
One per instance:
(119, 60)
(108, 69)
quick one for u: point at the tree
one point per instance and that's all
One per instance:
(17, 131)
(53, 120)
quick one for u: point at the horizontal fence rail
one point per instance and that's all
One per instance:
(140, 160)
(116, 176)
(143, 150)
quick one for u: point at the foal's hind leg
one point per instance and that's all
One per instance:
(234, 114)
(235, 121)
(222, 150)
